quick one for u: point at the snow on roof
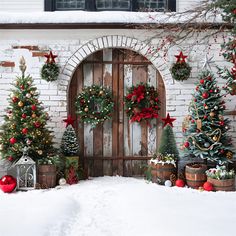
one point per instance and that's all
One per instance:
(94, 17)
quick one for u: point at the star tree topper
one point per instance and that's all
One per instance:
(50, 57)
(168, 121)
(69, 121)
(181, 57)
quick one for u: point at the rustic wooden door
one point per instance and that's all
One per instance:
(116, 147)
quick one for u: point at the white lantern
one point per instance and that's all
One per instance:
(25, 172)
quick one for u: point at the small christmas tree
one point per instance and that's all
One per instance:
(69, 143)
(206, 134)
(168, 148)
(25, 122)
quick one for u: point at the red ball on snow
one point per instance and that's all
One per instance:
(208, 186)
(33, 107)
(205, 95)
(12, 140)
(7, 183)
(179, 183)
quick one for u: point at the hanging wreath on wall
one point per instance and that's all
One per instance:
(142, 103)
(180, 70)
(50, 70)
(94, 105)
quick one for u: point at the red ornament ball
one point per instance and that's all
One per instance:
(205, 95)
(7, 183)
(15, 99)
(207, 186)
(12, 140)
(24, 131)
(37, 124)
(202, 81)
(10, 158)
(23, 116)
(33, 107)
(205, 117)
(186, 144)
(179, 183)
(197, 88)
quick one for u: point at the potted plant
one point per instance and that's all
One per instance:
(162, 167)
(70, 149)
(221, 179)
(164, 164)
(47, 171)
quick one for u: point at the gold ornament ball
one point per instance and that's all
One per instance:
(86, 109)
(101, 92)
(214, 138)
(20, 104)
(33, 115)
(212, 114)
(40, 152)
(206, 107)
(13, 126)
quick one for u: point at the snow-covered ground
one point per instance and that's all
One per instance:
(117, 206)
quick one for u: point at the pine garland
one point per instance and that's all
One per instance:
(94, 105)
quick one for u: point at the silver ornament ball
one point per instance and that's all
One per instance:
(62, 181)
(168, 183)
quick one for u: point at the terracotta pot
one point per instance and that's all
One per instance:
(195, 175)
(222, 184)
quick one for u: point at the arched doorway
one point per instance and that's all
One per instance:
(116, 147)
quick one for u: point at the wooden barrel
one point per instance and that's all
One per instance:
(47, 176)
(161, 173)
(222, 185)
(195, 175)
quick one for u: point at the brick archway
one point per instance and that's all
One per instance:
(115, 41)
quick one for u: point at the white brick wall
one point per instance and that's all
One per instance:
(66, 43)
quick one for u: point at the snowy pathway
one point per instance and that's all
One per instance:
(116, 206)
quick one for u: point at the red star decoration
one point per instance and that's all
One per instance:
(50, 57)
(181, 57)
(168, 120)
(69, 121)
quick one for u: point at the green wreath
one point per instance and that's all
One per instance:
(94, 105)
(50, 71)
(181, 71)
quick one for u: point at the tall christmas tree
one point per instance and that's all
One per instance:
(168, 143)
(206, 134)
(69, 143)
(25, 121)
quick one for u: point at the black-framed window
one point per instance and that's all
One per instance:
(114, 5)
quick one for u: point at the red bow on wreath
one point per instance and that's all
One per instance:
(138, 94)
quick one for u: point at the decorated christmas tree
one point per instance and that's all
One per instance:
(25, 122)
(206, 131)
(168, 144)
(69, 143)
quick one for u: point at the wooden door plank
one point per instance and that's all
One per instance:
(162, 111)
(152, 129)
(139, 129)
(88, 132)
(98, 130)
(107, 126)
(115, 73)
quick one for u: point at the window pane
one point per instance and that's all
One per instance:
(70, 4)
(113, 4)
(158, 5)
